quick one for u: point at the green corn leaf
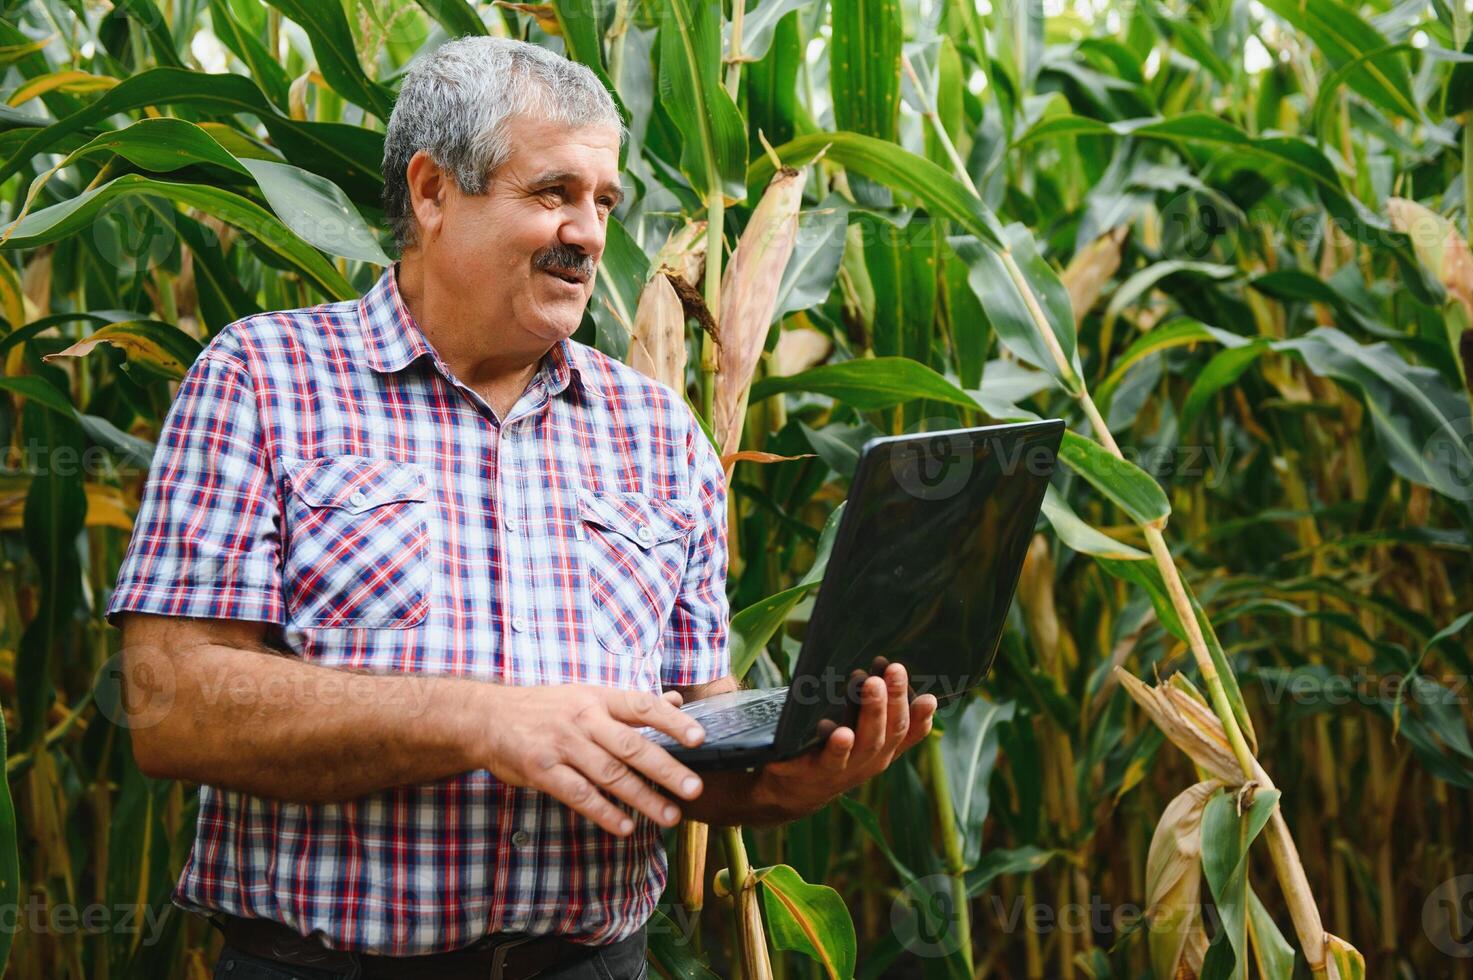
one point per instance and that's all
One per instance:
(1007, 309)
(810, 919)
(337, 57)
(1133, 489)
(1344, 39)
(713, 152)
(869, 384)
(156, 346)
(66, 218)
(1297, 158)
(942, 194)
(350, 156)
(1226, 838)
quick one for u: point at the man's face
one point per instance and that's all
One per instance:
(525, 252)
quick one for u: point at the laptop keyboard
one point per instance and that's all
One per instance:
(758, 709)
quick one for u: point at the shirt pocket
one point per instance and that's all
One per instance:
(357, 550)
(635, 545)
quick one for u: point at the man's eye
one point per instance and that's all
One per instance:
(552, 192)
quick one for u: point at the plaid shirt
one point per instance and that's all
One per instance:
(322, 470)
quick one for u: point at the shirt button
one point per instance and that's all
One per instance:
(511, 523)
(357, 498)
(521, 838)
(519, 624)
(644, 533)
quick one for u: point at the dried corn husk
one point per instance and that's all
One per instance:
(749, 297)
(12, 299)
(36, 284)
(693, 838)
(1174, 885)
(544, 13)
(1090, 269)
(296, 96)
(1440, 248)
(1187, 722)
(756, 961)
(657, 338)
(1438, 245)
(798, 349)
(684, 253)
(1036, 597)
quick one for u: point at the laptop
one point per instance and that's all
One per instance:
(925, 562)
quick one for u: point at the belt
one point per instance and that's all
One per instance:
(500, 956)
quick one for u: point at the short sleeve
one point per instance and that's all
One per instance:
(693, 647)
(206, 542)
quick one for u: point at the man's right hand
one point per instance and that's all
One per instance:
(579, 742)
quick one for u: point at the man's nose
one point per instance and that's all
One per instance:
(584, 230)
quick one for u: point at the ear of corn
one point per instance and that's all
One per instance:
(749, 297)
(1174, 885)
(684, 253)
(1036, 597)
(1438, 245)
(657, 339)
(1441, 249)
(798, 349)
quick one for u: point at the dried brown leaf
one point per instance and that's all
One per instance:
(749, 299)
(1188, 723)
(1091, 268)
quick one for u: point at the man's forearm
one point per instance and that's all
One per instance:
(273, 726)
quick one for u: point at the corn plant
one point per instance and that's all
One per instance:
(1225, 241)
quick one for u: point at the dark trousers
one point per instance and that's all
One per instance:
(621, 961)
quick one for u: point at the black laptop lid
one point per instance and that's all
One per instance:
(925, 562)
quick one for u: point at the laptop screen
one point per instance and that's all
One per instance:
(925, 563)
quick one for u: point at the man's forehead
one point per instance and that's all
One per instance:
(586, 153)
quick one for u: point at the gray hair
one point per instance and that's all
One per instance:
(455, 103)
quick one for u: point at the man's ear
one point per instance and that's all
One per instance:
(428, 187)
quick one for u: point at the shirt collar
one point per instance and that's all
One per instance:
(393, 341)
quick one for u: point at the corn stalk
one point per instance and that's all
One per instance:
(1287, 865)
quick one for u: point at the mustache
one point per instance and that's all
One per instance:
(565, 257)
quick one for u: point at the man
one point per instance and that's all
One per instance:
(413, 569)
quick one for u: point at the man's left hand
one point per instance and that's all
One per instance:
(887, 727)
